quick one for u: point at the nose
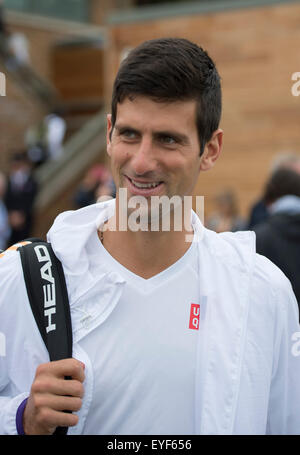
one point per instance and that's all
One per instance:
(143, 160)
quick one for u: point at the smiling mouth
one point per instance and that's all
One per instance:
(146, 188)
(145, 185)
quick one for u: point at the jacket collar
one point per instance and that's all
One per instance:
(226, 264)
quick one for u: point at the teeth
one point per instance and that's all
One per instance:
(144, 185)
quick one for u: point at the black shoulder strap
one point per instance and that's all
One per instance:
(48, 297)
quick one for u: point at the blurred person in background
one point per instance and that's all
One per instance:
(226, 217)
(18, 46)
(55, 130)
(97, 182)
(3, 32)
(2, 21)
(259, 211)
(14, 47)
(107, 188)
(278, 238)
(44, 140)
(5, 230)
(36, 144)
(20, 195)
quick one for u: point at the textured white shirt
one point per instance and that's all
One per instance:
(143, 355)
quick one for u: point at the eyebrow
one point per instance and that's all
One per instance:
(179, 137)
(121, 128)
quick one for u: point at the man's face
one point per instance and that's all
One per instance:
(154, 148)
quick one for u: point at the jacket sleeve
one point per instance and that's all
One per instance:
(8, 412)
(284, 399)
(13, 388)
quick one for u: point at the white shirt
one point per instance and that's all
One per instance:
(144, 354)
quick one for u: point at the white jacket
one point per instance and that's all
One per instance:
(249, 348)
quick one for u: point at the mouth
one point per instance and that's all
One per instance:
(143, 188)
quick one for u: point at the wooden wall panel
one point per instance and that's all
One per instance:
(78, 72)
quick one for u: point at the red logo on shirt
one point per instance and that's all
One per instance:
(194, 316)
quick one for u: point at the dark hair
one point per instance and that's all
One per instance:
(282, 183)
(172, 69)
(19, 156)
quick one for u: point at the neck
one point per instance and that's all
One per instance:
(146, 252)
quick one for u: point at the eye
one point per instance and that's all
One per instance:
(167, 140)
(128, 134)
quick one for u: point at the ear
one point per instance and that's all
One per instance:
(108, 133)
(212, 150)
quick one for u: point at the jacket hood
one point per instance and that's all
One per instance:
(69, 235)
(72, 230)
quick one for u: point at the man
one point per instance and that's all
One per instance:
(4, 223)
(259, 211)
(176, 330)
(278, 238)
(20, 196)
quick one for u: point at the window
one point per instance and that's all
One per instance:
(75, 10)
